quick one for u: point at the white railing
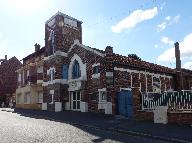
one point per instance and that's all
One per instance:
(176, 101)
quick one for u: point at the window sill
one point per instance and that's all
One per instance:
(96, 76)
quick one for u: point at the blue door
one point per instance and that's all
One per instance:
(125, 103)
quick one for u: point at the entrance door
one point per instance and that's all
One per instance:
(125, 103)
(75, 100)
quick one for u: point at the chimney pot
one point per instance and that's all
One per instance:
(5, 57)
(37, 47)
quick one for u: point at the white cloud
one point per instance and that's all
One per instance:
(188, 65)
(168, 18)
(185, 50)
(134, 18)
(167, 22)
(156, 46)
(167, 41)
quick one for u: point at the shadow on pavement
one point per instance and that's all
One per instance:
(99, 122)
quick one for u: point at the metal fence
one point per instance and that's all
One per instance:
(176, 101)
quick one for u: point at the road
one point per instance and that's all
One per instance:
(15, 128)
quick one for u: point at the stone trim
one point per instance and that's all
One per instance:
(136, 71)
(102, 89)
(61, 81)
(109, 74)
(57, 53)
(95, 76)
(39, 81)
(125, 89)
(96, 64)
(82, 68)
(76, 42)
(64, 15)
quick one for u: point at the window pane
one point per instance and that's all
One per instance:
(74, 104)
(76, 70)
(78, 104)
(74, 95)
(78, 95)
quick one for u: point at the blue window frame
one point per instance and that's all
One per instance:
(76, 72)
(65, 71)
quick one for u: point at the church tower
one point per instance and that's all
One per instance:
(60, 32)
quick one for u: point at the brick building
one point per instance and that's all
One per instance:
(30, 78)
(8, 79)
(80, 78)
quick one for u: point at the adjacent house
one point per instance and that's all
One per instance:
(67, 75)
(30, 78)
(8, 79)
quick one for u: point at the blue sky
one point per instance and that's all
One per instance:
(147, 28)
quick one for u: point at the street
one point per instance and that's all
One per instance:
(21, 129)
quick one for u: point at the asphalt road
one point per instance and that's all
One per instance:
(15, 128)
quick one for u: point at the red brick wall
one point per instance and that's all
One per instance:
(180, 118)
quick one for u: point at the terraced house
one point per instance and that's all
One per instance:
(8, 80)
(29, 90)
(67, 75)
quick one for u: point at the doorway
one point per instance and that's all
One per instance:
(75, 100)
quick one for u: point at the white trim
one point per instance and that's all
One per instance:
(56, 53)
(131, 80)
(146, 88)
(140, 81)
(94, 65)
(102, 89)
(59, 53)
(95, 76)
(39, 81)
(109, 74)
(143, 72)
(74, 85)
(129, 89)
(64, 15)
(76, 42)
(82, 68)
(71, 94)
(61, 81)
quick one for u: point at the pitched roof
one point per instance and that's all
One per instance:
(42, 50)
(9, 64)
(119, 59)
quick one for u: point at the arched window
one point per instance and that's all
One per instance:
(76, 72)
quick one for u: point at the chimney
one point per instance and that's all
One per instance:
(5, 57)
(109, 50)
(37, 47)
(177, 56)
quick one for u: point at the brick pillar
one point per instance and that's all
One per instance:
(136, 99)
(109, 59)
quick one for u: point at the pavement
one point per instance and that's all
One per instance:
(165, 132)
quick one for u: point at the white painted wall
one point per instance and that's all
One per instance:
(58, 106)
(84, 106)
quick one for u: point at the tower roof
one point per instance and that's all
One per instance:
(64, 15)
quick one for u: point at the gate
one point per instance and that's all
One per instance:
(125, 103)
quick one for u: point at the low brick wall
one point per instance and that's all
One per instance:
(179, 118)
(144, 115)
(29, 106)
